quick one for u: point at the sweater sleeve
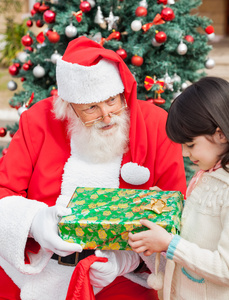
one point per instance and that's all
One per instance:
(211, 265)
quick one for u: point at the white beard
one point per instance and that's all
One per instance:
(99, 146)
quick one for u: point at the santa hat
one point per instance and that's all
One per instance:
(88, 73)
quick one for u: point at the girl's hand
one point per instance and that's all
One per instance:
(156, 239)
(155, 188)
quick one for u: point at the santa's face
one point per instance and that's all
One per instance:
(93, 113)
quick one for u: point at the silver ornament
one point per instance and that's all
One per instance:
(182, 48)
(22, 56)
(22, 109)
(176, 78)
(155, 43)
(184, 86)
(71, 31)
(99, 19)
(38, 71)
(55, 56)
(209, 63)
(211, 36)
(168, 82)
(136, 25)
(170, 2)
(92, 3)
(143, 3)
(12, 85)
(112, 21)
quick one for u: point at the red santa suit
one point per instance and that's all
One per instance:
(42, 168)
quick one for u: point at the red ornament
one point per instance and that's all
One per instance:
(85, 6)
(17, 65)
(4, 151)
(49, 16)
(53, 37)
(157, 101)
(43, 8)
(54, 92)
(29, 23)
(26, 66)
(23, 79)
(209, 29)
(122, 53)
(189, 38)
(162, 2)
(160, 37)
(13, 70)
(32, 12)
(36, 6)
(3, 132)
(29, 48)
(137, 60)
(29, 63)
(48, 32)
(141, 11)
(167, 14)
(12, 134)
(39, 23)
(26, 40)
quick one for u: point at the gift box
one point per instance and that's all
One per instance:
(102, 217)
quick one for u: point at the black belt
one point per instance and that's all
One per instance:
(72, 259)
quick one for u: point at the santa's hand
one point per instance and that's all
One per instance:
(44, 230)
(119, 263)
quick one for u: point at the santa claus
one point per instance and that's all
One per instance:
(94, 134)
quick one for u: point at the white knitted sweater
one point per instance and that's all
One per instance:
(198, 261)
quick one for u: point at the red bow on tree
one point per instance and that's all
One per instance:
(156, 21)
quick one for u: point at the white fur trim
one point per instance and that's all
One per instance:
(156, 281)
(50, 284)
(16, 215)
(83, 84)
(134, 174)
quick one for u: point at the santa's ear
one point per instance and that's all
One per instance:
(220, 136)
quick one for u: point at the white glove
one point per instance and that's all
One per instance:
(119, 263)
(45, 231)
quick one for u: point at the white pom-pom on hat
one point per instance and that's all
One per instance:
(134, 174)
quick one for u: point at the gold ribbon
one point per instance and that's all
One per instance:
(158, 206)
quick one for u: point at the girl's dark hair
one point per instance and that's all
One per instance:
(199, 110)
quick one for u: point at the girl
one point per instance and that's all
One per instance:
(198, 260)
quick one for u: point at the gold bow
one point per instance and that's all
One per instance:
(158, 206)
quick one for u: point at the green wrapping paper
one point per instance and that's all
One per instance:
(102, 217)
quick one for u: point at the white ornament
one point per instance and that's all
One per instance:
(143, 3)
(168, 82)
(99, 19)
(112, 20)
(22, 56)
(176, 78)
(155, 43)
(92, 3)
(55, 56)
(21, 109)
(211, 36)
(170, 2)
(209, 63)
(38, 71)
(184, 86)
(71, 31)
(182, 48)
(136, 25)
(12, 85)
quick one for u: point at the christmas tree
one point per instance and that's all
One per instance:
(163, 42)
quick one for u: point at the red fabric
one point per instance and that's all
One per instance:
(8, 290)
(124, 289)
(80, 287)
(31, 247)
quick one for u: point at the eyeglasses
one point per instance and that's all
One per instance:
(110, 115)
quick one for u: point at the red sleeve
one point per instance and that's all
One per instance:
(13, 181)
